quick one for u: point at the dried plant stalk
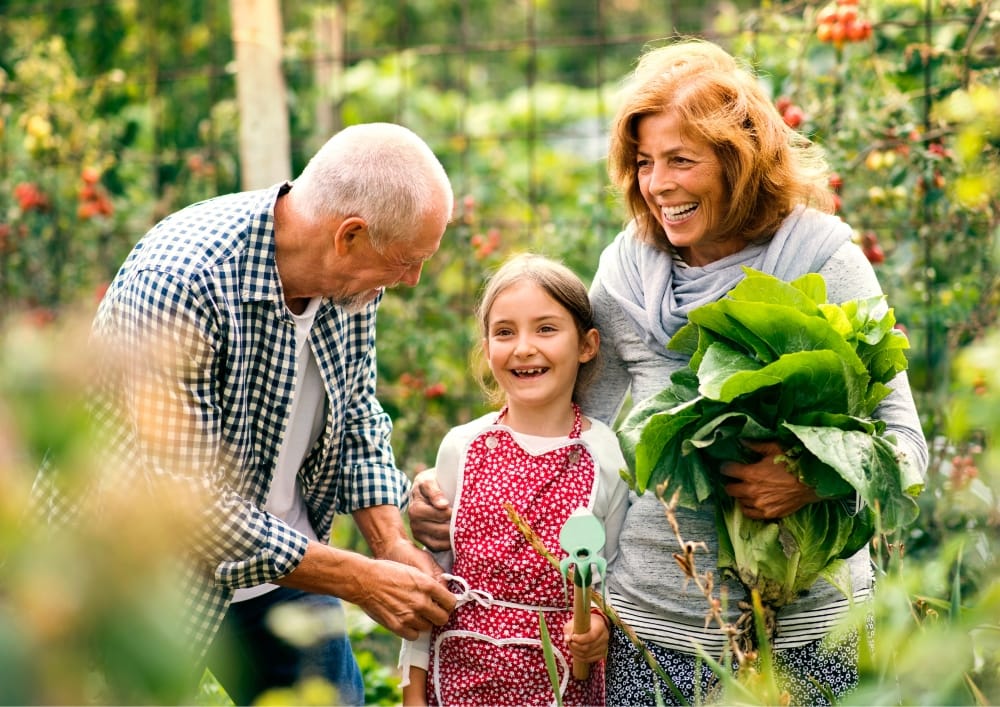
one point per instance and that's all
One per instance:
(595, 596)
(734, 633)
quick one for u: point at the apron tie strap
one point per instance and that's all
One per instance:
(480, 596)
(487, 600)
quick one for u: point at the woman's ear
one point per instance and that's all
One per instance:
(589, 345)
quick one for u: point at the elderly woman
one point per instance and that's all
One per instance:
(713, 181)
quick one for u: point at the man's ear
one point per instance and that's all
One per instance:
(349, 233)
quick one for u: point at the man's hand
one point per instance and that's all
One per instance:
(429, 512)
(400, 597)
(383, 528)
(403, 550)
(765, 489)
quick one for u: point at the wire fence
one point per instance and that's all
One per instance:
(434, 65)
(179, 57)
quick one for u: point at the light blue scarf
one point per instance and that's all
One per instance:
(656, 293)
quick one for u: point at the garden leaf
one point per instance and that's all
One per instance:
(774, 361)
(870, 465)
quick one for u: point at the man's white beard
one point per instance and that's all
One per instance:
(355, 304)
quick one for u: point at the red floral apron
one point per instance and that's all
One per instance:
(490, 651)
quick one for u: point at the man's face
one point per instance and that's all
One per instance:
(369, 271)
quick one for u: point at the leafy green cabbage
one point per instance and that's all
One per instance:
(774, 361)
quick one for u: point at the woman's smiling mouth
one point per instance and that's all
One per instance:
(679, 212)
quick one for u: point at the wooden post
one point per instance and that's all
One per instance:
(265, 152)
(328, 69)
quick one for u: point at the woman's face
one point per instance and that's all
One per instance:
(681, 181)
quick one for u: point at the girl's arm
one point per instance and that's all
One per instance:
(415, 691)
(611, 500)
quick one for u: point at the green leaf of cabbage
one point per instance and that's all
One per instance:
(774, 361)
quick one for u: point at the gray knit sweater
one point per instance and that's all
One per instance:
(646, 585)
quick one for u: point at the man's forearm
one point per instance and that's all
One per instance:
(386, 534)
(328, 570)
(383, 529)
(399, 590)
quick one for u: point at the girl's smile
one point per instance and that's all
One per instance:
(534, 350)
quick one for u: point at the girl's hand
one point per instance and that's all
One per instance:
(589, 647)
(765, 489)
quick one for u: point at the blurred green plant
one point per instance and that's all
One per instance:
(100, 138)
(939, 590)
(210, 693)
(78, 183)
(87, 614)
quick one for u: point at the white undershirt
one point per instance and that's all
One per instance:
(305, 422)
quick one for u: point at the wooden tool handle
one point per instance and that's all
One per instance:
(581, 624)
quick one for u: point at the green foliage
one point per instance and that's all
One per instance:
(774, 361)
(918, 618)
(76, 187)
(515, 99)
(310, 691)
(550, 660)
(881, 109)
(211, 693)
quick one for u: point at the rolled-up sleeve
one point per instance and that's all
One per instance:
(369, 474)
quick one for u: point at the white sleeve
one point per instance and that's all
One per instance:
(447, 469)
(414, 654)
(611, 498)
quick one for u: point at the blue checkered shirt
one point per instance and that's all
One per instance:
(197, 312)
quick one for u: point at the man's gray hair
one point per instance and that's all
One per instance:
(381, 172)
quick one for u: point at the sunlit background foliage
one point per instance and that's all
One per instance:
(116, 112)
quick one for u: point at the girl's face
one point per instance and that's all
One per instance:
(534, 349)
(681, 181)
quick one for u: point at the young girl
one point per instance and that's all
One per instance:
(540, 454)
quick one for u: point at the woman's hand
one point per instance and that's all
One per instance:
(429, 512)
(765, 489)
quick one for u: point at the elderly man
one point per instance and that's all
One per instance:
(239, 370)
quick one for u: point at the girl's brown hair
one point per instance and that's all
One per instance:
(561, 284)
(768, 167)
